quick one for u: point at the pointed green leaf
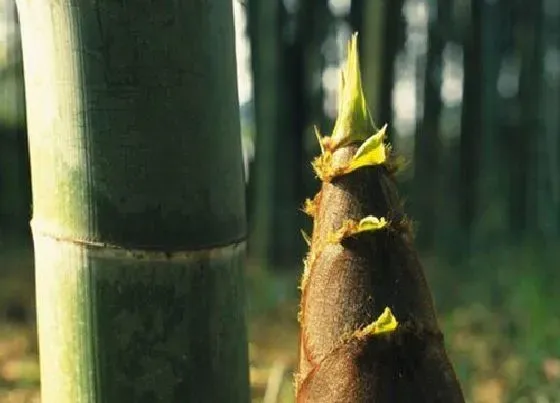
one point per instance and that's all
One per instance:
(371, 152)
(354, 120)
(385, 323)
(350, 228)
(371, 223)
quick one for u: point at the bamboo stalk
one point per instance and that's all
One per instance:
(138, 200)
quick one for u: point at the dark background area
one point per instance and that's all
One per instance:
(470, 90)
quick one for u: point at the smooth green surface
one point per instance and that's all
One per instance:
(138, 200)
(133, 121)
(118, 326)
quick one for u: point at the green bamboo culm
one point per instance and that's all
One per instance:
(138, 200)
(369, 332)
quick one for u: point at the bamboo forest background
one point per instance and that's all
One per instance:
(471, 92)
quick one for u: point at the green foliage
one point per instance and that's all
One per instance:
(503, 322)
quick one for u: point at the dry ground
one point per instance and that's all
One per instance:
(492, 367)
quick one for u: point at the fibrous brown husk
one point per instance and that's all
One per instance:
(347, 285)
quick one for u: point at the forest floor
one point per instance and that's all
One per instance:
(501, 355)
